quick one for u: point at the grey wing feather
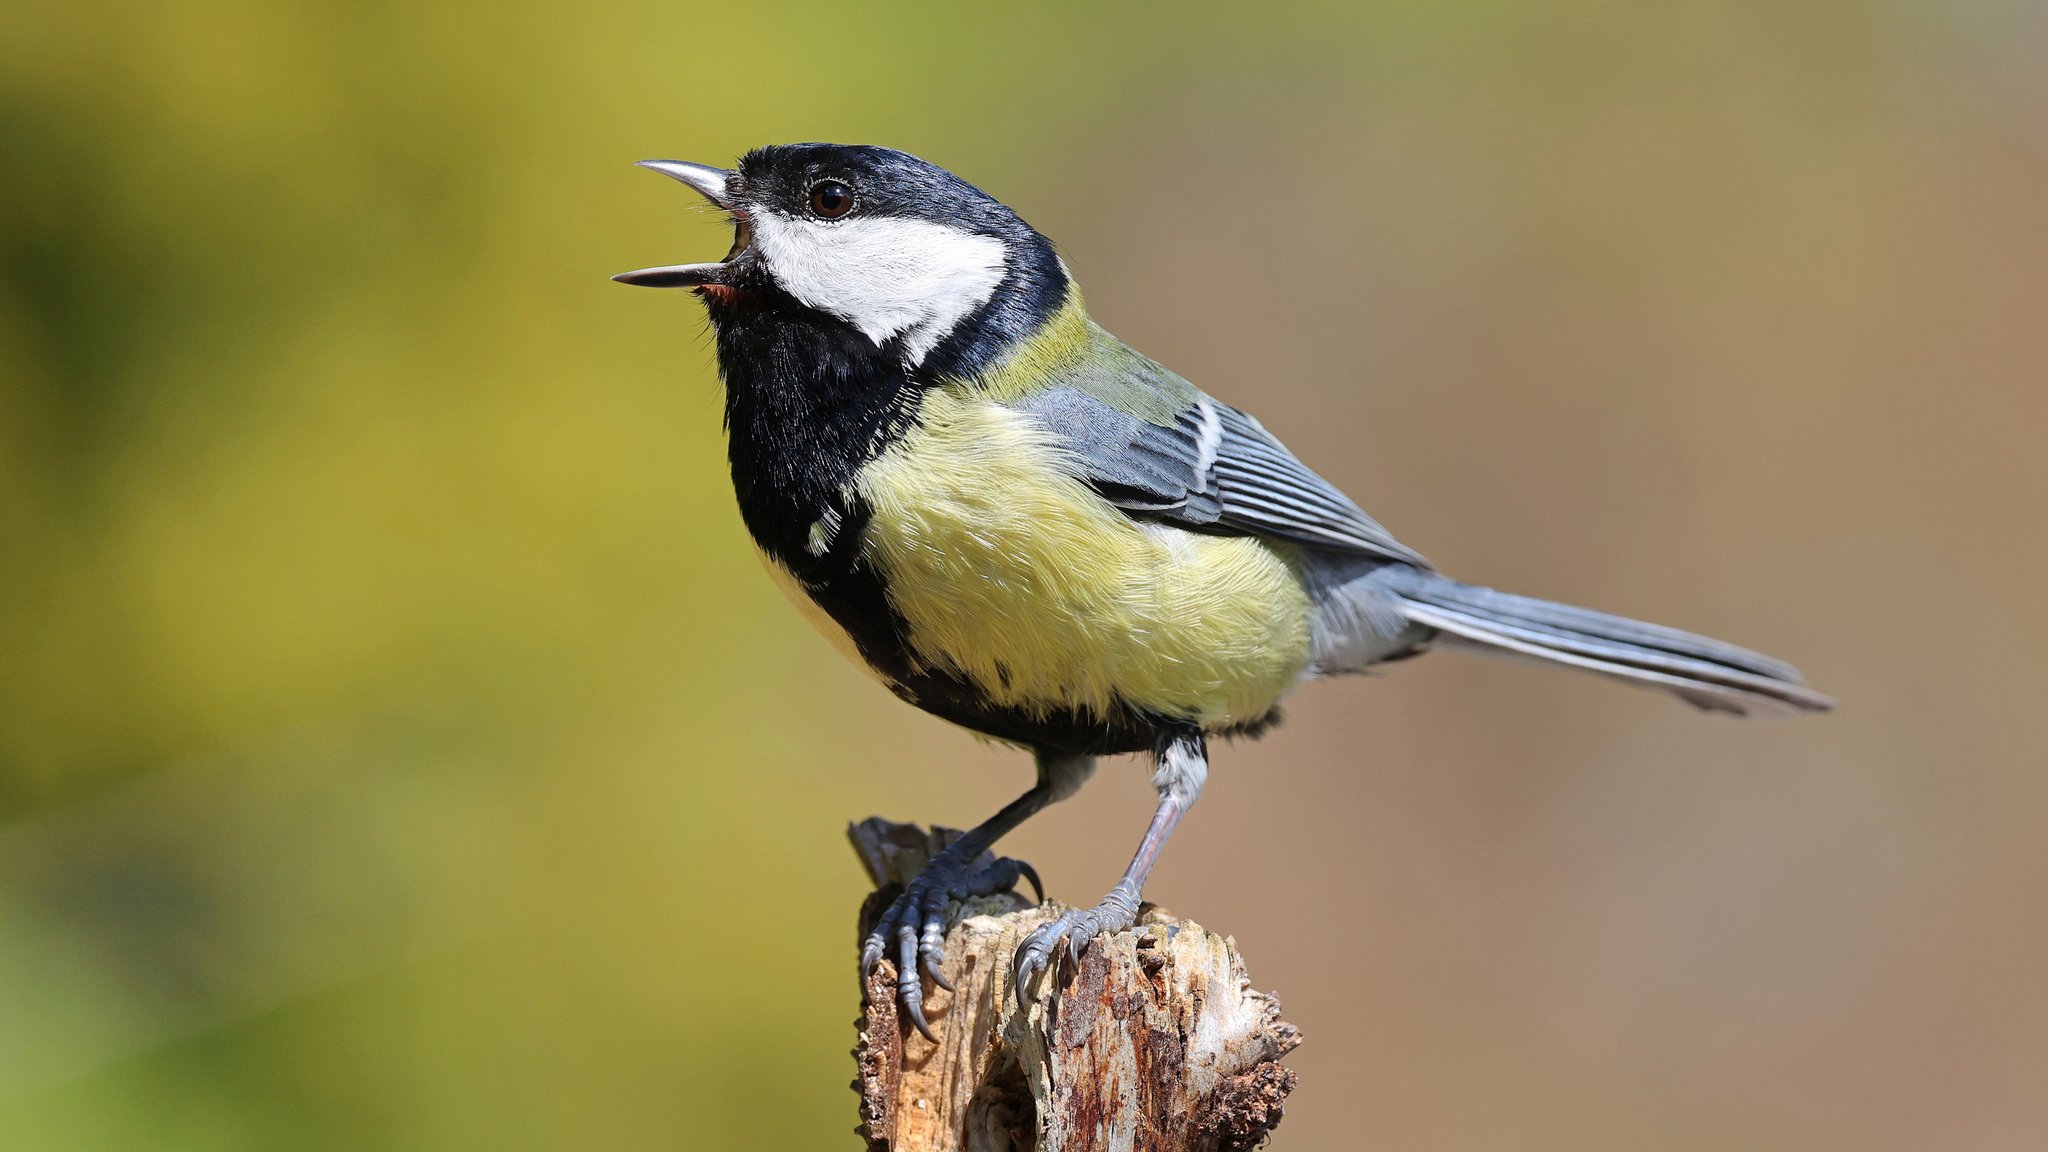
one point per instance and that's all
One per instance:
(1111, 450)
(1214, 468)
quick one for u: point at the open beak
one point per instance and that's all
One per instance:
(713, 184)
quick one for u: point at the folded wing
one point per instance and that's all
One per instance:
(1213, 468)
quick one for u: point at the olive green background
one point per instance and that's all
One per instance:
(401, 749)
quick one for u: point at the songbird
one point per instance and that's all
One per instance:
(1020, 525)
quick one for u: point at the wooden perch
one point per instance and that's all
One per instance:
(1155, 1041)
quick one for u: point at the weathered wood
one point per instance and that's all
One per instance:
(1155, 1041)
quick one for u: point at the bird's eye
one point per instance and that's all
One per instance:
(830, 200)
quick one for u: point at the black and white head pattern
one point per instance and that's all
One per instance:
(899, 249)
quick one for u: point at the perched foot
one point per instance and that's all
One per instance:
(916, 920)
(1076, 926)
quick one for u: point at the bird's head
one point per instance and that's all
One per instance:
(928, 267)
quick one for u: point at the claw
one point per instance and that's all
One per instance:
(932, 960)
(1077, 942)
(916, 920)
(908, 988)
(1028, 968)
(915, 1010)
(1031, 874)
(1071, 931)
(1035, 956)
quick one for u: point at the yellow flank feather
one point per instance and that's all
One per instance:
(1012, 572)
(1071, 348)
(1057, 348)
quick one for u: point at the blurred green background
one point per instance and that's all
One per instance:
(400, 748)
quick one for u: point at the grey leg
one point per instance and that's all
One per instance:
(916, 920)
(1183, 761)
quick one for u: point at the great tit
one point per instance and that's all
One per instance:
(1021, 525)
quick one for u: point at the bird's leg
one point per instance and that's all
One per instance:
(1183, 765)
(916, 920)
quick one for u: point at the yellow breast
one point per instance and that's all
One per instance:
(1013, 573)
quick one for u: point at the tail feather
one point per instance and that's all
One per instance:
(1702, 671)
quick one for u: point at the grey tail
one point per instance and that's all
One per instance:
(1703, 672)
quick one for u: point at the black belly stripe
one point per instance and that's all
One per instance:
(853, 594)
(810, 401)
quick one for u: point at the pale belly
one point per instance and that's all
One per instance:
(1007, 571)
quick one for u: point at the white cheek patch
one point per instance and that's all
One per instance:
(884, 276)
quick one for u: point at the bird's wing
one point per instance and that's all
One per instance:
(1196, 461)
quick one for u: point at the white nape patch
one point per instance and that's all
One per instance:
(884, 275)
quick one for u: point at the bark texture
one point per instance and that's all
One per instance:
(1154, 1041)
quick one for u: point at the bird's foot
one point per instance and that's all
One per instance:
(916, 920)
(1076, 927)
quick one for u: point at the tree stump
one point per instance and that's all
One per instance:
(1154, 1041)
